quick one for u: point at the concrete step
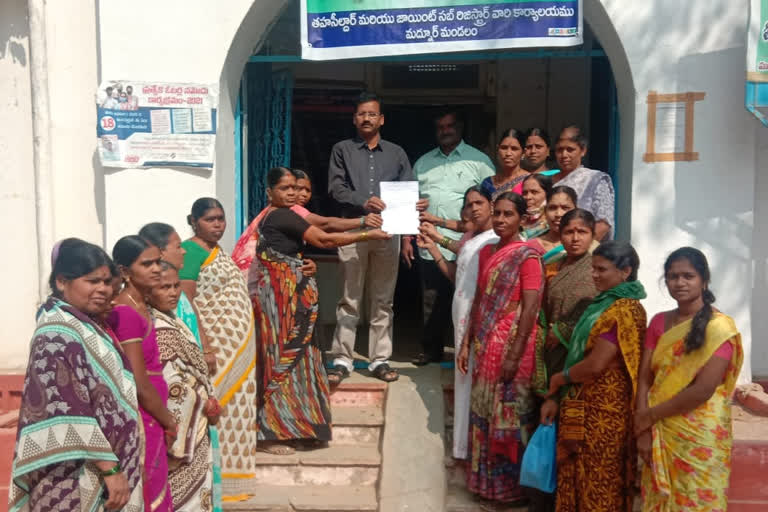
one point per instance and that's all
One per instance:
(357, 425)
(365, 416)
(459, 499)
(309, 498)
(337, 465)
(359, 394)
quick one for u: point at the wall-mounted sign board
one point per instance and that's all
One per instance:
(347, 29)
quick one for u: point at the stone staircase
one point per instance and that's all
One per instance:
(458, 498)
(342, 477)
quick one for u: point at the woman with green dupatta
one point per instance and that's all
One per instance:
(596, 455)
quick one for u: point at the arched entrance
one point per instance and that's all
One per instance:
(261, 19)
(290, 112)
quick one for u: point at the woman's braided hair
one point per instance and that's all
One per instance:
(695, 338)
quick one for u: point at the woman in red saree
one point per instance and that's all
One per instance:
(502, 334)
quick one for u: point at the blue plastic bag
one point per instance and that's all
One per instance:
(538, 469)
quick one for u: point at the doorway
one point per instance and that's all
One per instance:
(494, 91)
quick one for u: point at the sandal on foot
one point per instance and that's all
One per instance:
(337, 374)
(277, 449)
(386, 373)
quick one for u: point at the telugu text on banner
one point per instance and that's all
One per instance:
(155, 124)
(345, 29)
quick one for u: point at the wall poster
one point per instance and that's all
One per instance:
(155, 124)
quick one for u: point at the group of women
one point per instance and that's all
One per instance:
(150, 386)
(156, 374)
(118, 386)
(549, 329)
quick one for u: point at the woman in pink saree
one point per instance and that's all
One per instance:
(133, 325)
(502, 337)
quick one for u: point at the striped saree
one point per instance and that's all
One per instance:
(294, 396)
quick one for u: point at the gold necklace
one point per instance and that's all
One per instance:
(138, 308)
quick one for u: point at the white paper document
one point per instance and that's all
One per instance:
(670, 128)
(400, 216)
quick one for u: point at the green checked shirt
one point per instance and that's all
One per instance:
(443, 179)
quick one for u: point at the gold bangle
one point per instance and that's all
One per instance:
(445, 242)
(363, 236)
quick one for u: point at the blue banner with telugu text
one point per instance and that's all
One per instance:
(342, 29)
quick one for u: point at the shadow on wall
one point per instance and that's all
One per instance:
(14, 30)
(760, 250)
(716, 211)
(719, 211)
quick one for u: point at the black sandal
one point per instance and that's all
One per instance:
(386, 373)
(337, 374)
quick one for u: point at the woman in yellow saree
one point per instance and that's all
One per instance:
(691, 360)
(596, 456)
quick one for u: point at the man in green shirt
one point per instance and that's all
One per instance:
(444, 174)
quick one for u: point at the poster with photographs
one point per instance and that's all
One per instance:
(156, 124)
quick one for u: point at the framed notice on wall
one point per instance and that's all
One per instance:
(670, 127)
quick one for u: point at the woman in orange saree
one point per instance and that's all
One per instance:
(596, 459)
(690, 364)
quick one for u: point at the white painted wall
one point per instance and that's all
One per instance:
(201, 47)
(18, 259)
(72, 80)
(662, 46)
(759, 296)
(680, 47)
